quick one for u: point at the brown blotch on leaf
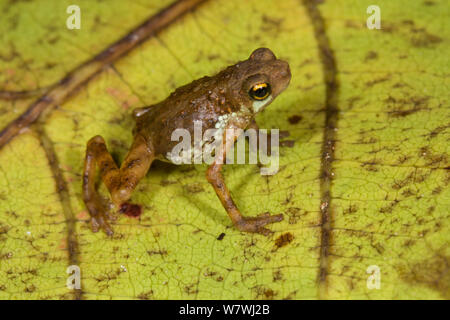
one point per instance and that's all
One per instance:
(167, 182)
(402, 159)
(437, 190)
(194, 188)
(398, 184)
(408, 193)
(353, 25)
(130, 209)
(157, 252)
(145, 295)
(30, 288)
(351, 209)
(191, 289)
(438, 130)
(371, 55)
(425, 39)
(418, 103)
(390, 207)
(431, 272)
(294, 215)
(295, 119)
(351, 101)
(221, 236)
(287, 143)
(271, 24)
(277, 275)
(371, 83)
(264, 293)
(284, 240)
(371, 165)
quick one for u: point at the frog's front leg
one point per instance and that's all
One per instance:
(120, 182)
(215, 177)
(263, 135)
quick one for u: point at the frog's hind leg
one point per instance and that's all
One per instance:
(120, 182)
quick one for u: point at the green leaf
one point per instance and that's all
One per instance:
(365, 182)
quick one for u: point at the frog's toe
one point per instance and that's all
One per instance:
(100, 222)
(100, 214)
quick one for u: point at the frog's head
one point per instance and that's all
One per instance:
(260, 79)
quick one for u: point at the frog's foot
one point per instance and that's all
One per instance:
(256, 224)
(100, 214)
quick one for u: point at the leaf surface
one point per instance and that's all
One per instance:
(365, 182)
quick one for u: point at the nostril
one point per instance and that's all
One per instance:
(286, 72)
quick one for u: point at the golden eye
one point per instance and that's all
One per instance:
(260, 91)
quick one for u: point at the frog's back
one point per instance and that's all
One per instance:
(201, 100)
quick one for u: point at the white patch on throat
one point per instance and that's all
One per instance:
(259, 104)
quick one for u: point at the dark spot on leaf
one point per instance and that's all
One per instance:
(295, 119)
(351, 209)
(402, 159)
(389, 208)
(353, 25)
(277, 275)
(437, 190)
(351, 101)
(167, 182)
(373, 82)
(418, 103)
(30, 288)
(408, 193)
(371, 165)
(438, 130)
(294, 215)
(379, 247)
(425, 40)
(213, 57)
(432, 272)
(130, 209)
(145, 295)
(191, 289)
(271, 24)
(157, 252)
(371, 55)
(284, 239)
(264, 293)
(287, 143)
(221, 236)
(194, 188)
(398, 184)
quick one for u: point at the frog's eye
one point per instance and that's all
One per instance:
(260, 91)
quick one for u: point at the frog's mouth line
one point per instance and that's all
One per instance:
(258, 105)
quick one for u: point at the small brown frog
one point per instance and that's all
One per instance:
(228, 100)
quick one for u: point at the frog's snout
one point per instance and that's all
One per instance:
(283, 74)
(285, 71)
